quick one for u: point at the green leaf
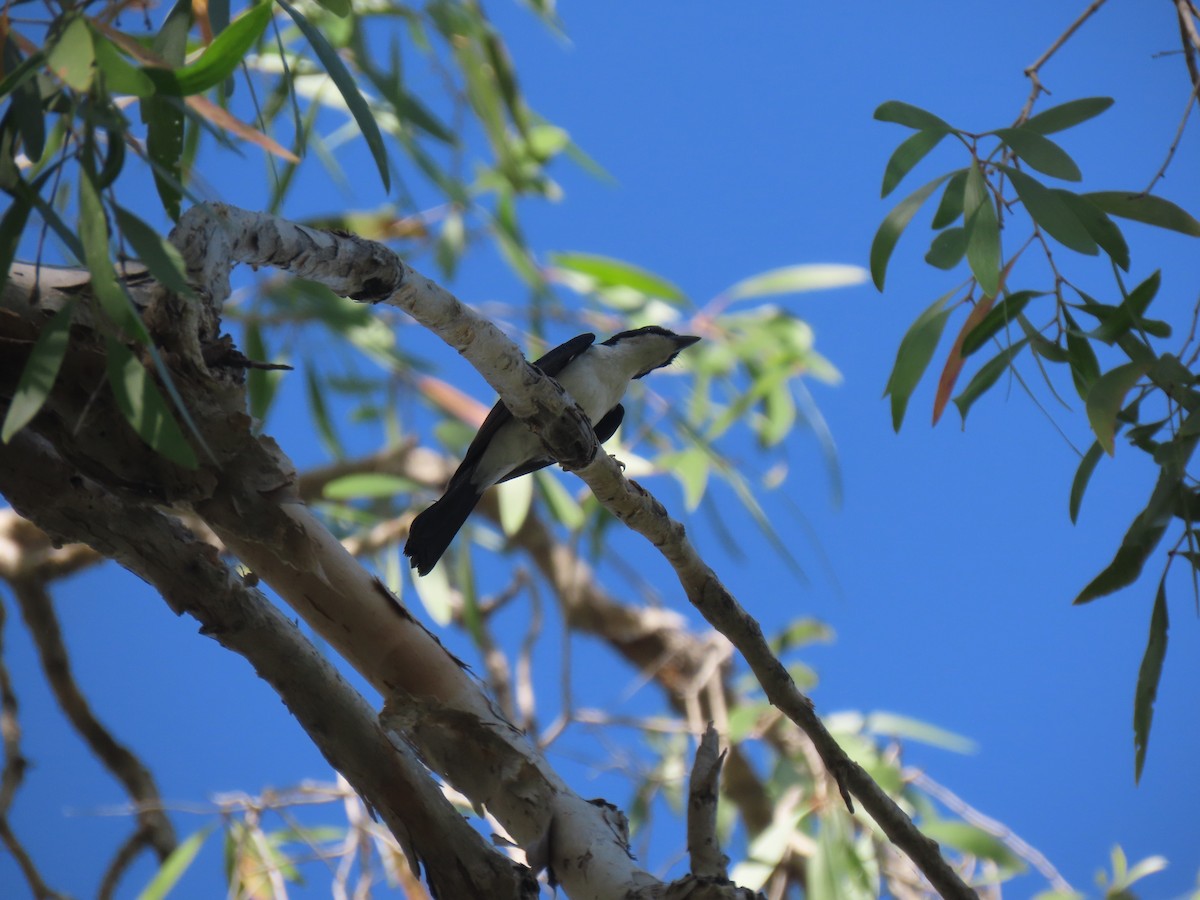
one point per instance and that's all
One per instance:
(1082, 476)
(1129, 314)
(1001, 315)
(12, 225)
(975, 841)
(174, 866)
(370, 485)
(261, 384)
(435, 594)
(346, 85)
(20, 73)
(1146, 208)
(1140, 540)
(1107, 397)
(947, 249)
(1047, 209)
(73, 58)
(1067, 115)
(983, 233)
(950, 207)
(93, 232)
(1100, 227)
(1085, 368)
(163, 116)
(40, 372)
(893, 725)
(159, 254)
(987, 375)
(340, 8)
(691, 467)
(164, 146)
(26, 104)
(605, 272)
(515, 499)
(1040, 152)
(913, 356)
(564, 508)
(120, 76)
(1044, 347)
(907, 155)
(779, 408)
(219, 60)
(320, 412)
(893, 226)
(796, 280)
(910, 116)
(144, 406)
(1148, 676)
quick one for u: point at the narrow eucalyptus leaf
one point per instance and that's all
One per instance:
(1098, 225)
(346, 85)
(987, 376)
(1082, 476)
(1146, 208)
(1106, 399)
(983, 247)
(1067, 115)
(998, 317)
(948, 248)
(950, 207)
(893, 226)
(913, 356)
(144, 406)
(1149, 674)
(1047, 209)
(907, 155)
(1040, 153)
(159, 255)
(910, 116)
(41, 370)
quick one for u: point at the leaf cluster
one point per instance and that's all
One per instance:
(1008, 202)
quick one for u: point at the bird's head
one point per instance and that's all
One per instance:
(650, 347)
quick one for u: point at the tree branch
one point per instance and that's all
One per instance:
(38, 611)
(12, 775)
(193, 580)
(364, 270)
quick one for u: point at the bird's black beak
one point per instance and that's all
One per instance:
(685, 340)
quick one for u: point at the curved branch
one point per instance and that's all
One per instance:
(11, 777)
(193, 580)
(38, 611)
(368, 271)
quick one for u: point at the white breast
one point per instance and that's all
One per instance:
(596, 381)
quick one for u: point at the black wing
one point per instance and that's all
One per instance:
(551, 364)
(604, 429)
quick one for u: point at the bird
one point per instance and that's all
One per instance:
(595, 375)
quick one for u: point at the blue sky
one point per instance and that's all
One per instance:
(741, 139)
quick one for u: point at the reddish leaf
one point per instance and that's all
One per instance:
(954, 362)
(445, 396)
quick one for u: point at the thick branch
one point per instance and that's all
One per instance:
(192, 579)
(541, 404)
(366, 270)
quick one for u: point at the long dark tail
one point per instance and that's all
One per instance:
(433, 530)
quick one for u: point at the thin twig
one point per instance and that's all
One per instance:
(1187, 111)
(13, 774)
(1031, 71)
(1005, 834)
(1190, 38)
(704, 846)
(38, 612)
